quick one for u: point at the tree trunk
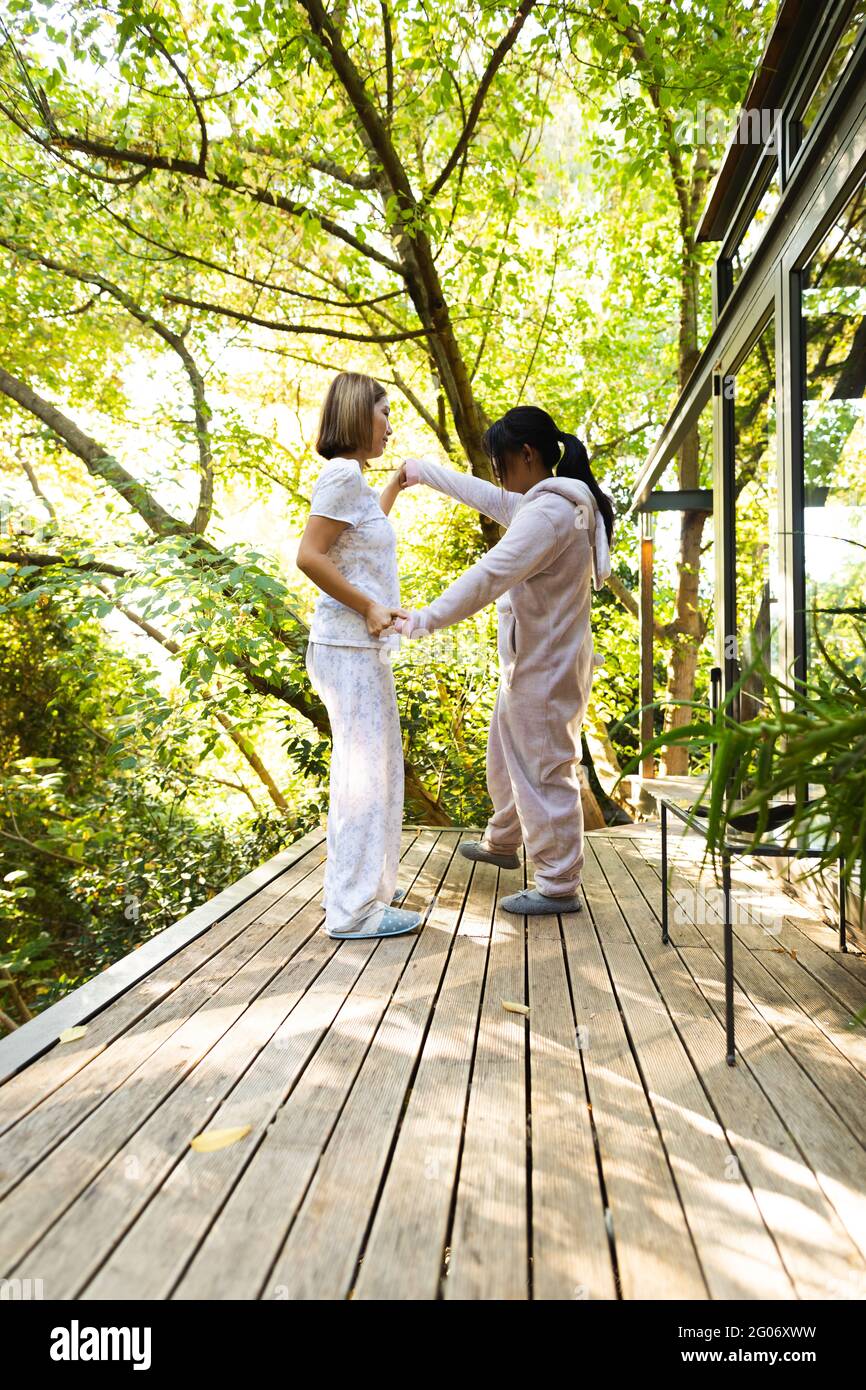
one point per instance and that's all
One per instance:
(689, 626)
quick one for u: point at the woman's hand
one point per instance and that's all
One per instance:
(380, 619)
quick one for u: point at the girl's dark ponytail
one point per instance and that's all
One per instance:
(575, 464)
(529, 424)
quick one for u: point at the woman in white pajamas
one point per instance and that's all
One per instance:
(349, 549)
(541, 573)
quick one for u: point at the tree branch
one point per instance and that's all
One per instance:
(321, 331)
(363, 182)
(506, 43)
(202, 154)
(26, 557)
(389, 60)
(144, 159)
(176, 342)
(237, 736)
(37, 490)
(176, 252)
(98, 461)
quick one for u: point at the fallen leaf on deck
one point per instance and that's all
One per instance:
(514, 1008)
(218, 1138)
(70, 1034)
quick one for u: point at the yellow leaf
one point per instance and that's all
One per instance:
(70, 1034)
(514, 1008)
(218, 1138)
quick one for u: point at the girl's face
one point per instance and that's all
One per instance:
(520, 470)
(382, 431)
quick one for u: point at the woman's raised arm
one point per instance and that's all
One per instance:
(473, 492)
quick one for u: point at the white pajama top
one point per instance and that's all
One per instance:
(365, 553)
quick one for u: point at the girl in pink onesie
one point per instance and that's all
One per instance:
(541, 574)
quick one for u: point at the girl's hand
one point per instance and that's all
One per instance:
(380, 619)
(410, 473)
(409, 626)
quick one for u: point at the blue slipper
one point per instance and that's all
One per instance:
(534, 904)
(393, 923)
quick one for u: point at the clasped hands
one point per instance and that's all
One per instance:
(380, 619)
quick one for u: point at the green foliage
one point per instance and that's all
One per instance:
(104, 836)
(805, 746)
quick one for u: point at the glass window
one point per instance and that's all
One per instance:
(835, 67)
(756, 526)
(834, 442)
(756, 228)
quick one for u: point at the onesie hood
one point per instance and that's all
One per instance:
(578, 493)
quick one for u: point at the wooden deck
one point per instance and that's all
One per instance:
(413, 1139)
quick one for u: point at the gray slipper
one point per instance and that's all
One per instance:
(393, 923)
(534, 904)
(474, 849)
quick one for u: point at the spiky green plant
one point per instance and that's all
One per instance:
(806, 747)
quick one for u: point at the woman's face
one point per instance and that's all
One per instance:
(381, 427)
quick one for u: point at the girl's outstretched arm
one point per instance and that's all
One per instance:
(473, 492)
(529, 545)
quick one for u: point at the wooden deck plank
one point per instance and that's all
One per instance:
(822, 1260)
(119, 1055)
(404, 1253)
(320, 1258)
(410, 1139)
(769, 918)
(737, 1253)
(777, 984)
(795, 1209)
(31, 1040)
(127, 1142)
(488, 1254)
(136, 1009)
(571, 1257)
(825, 1142)
(654, 1250)
(286, 1025)
(322, 1137)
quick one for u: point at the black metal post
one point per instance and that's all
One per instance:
(843, 942)
(729, 960)
(715, 701)
(665, 937)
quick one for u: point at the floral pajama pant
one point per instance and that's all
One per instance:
(365, 815)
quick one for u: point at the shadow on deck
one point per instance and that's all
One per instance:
(411, 1138)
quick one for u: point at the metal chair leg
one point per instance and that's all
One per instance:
(729, 961)
(843, 941)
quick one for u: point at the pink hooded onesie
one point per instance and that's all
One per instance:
(541, 575)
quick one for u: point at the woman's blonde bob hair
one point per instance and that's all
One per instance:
(346, 421)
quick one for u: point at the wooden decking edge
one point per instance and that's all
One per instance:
(38, 1034)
